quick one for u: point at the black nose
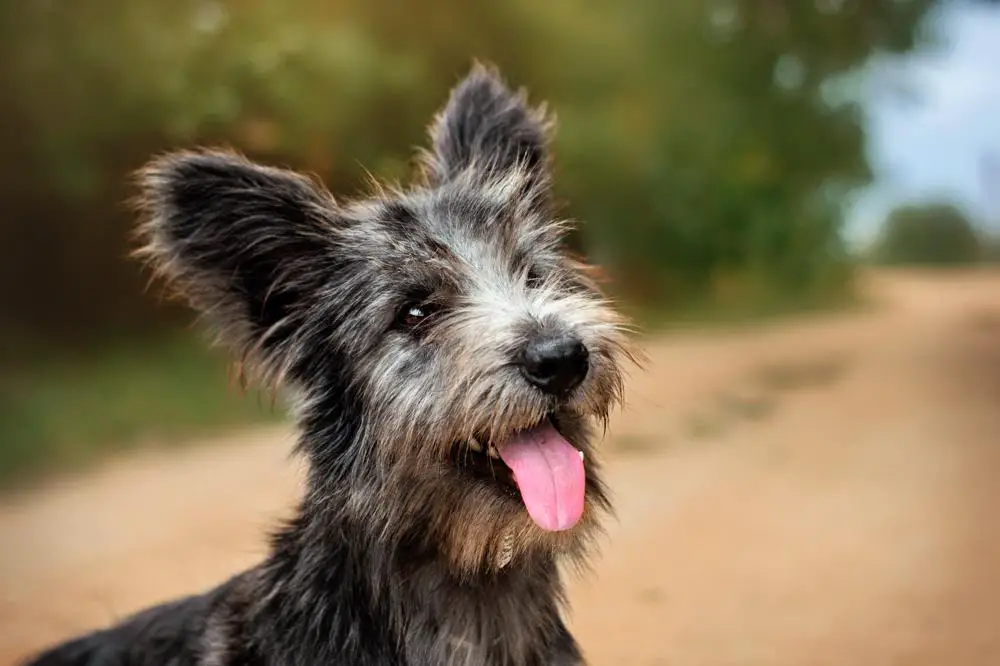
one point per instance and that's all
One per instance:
(555, 364)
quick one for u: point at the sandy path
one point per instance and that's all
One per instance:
(819, 492)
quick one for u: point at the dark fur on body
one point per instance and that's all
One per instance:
(397, 555)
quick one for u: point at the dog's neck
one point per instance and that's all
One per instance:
(405, 600)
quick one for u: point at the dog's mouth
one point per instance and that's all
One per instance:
(537, 465)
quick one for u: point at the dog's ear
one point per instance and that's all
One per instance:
(488, 132)
(248, 246)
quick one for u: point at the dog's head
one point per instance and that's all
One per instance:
(447, 357)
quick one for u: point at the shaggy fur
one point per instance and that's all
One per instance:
(395, 323)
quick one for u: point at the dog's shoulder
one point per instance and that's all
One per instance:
(169, 634)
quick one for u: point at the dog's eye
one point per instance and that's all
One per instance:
(413, 316)
(415, 313)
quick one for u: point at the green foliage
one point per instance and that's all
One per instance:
(933, 234)
(701, 139)
(705, 145)
(991, 248)
(67, 410)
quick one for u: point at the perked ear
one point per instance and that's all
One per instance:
(248, 246)
(488, 132)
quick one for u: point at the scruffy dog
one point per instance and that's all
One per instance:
(447, 362)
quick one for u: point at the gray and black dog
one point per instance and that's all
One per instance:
(447, 362)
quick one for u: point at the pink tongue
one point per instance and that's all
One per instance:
(549, 474)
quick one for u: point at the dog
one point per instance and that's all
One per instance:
(448, 364)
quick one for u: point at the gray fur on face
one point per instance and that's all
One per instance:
(397, 322)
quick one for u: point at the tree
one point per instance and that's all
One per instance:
(730, 154)
(700, 142)
(935, 234)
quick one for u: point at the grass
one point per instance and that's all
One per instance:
(58, 414)
(710, 312)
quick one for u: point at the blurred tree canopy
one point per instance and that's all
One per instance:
(991, 249)
(935, 234)
(705, 143)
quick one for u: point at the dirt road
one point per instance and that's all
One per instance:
(817, 492)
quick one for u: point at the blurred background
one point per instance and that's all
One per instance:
(735, 164)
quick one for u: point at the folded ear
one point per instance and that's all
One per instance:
(248, 246)
(487, 131)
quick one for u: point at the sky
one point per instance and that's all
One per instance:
(935, 149)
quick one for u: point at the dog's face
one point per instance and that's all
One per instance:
(448, 357)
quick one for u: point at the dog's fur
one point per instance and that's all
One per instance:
(397, 554)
